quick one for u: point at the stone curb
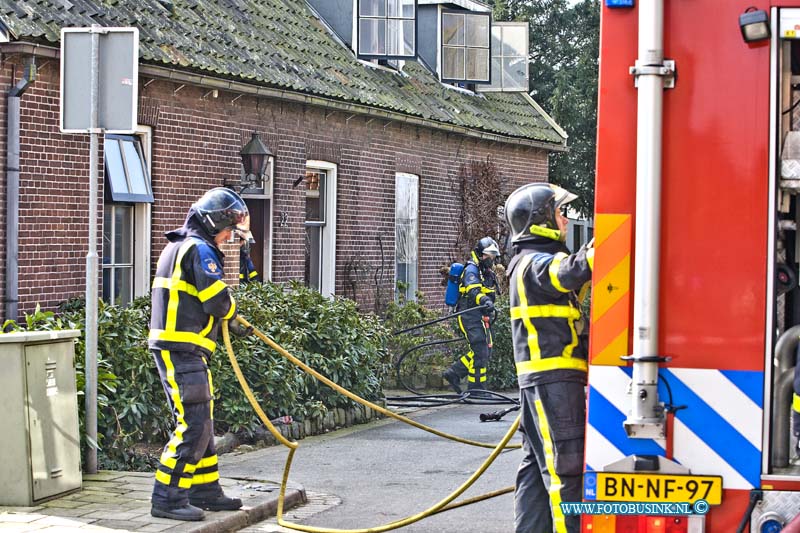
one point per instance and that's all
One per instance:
(248, 516)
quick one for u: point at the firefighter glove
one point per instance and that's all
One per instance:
(488, 305)
(238, 329)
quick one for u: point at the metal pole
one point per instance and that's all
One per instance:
(645, 419)
(91, 270)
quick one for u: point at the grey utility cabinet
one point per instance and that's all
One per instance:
(40, 445)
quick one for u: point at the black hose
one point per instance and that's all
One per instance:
(755, 497)
(413, 349)
(448, 317)
(483, 397)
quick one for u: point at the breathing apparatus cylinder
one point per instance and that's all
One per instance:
(453, 284)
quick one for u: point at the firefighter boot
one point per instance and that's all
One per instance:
(453, 379)
(185, 512)
(216, 503)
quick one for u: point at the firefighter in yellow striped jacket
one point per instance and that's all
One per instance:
(478, 288)
(544, 280)
(796, 412)
(189, 299)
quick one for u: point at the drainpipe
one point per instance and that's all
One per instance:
(652, 75)
(12, 190)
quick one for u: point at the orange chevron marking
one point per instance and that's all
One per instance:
(611, 289)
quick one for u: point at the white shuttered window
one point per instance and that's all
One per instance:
(406, 235)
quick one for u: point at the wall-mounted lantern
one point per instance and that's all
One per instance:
(257, 164)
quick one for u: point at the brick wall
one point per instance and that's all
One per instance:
(195, 145)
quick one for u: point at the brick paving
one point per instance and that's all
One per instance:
(120, 501)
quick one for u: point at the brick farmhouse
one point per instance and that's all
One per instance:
(371, 108)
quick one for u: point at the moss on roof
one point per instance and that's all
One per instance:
(277, 43)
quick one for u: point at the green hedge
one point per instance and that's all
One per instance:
(329, 335)
(354, 350)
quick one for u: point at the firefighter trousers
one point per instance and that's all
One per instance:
(188, 465)
(552, 427)
(474, 363)
(796, 408)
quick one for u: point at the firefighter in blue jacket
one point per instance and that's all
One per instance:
(189, 300)
(544, 280)
(478, 291)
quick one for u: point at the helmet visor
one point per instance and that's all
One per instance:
(492, 250)
(562, 196)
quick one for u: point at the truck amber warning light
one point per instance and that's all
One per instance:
(625, 487)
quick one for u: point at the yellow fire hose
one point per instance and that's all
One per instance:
(439, 507)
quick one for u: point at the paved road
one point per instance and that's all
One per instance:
(381, 472)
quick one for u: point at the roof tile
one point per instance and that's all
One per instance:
(278, 43)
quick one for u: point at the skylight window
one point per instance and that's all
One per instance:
(387, 29)
(465, 46)
(509, 57)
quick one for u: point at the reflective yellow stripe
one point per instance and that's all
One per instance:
(533, 335)
(555, 265)
(212, 290)
(571, 346)
(210, 391)
(478, 299)
(168, 457)
(161, 477)
(796, 402)
(241, 276)
(487, 290)
(550, 363)
(544, 311)
(559, 523)
(253, 274)
(205, 330)
(182, 336)
(470, 287)
(231, 311)
(202, 479)
(167, 283)
(174, 297)
(172, 462)
(590, 258)
(205, 462)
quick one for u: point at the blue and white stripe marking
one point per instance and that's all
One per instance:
(719, 432)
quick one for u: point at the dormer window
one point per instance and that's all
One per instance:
(465, 46)
(509, 57)
(387, 29)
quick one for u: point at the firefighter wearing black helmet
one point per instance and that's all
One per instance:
(189, 299)
(478, 291)
(544, 280)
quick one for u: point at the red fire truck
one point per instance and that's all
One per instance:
(696, 307)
